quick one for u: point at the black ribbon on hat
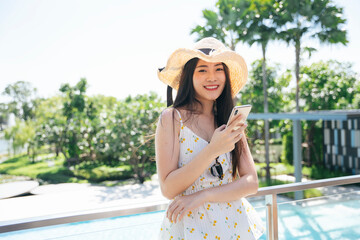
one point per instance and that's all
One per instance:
(206, 51)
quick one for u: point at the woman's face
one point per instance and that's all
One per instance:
(209, 80)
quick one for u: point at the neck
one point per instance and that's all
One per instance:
(206, 108)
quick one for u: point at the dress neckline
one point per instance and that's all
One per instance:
(196, 134)
(192, 132)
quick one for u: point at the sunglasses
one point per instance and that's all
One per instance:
(217, 170)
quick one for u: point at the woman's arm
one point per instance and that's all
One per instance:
(174, 180)
(245, 185)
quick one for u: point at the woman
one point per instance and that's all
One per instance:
(204, 166)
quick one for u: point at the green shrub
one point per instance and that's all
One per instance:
(103, 173)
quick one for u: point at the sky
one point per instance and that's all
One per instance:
(118, 45)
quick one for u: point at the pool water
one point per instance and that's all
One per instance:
(338, 220)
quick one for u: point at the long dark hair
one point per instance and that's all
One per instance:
(185, 98)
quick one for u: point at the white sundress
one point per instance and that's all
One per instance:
(223, 220)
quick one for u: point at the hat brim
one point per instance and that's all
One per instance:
(238, 72)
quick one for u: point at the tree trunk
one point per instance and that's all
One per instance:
(28, 153)
(57, 150)
(266, 110)
(297, 72)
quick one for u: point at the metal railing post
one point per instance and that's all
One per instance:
(297, 155)
(271, 217)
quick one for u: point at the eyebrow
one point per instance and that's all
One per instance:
(207, 65)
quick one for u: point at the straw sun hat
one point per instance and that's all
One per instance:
(210, 50)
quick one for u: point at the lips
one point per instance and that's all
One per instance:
(211, 87)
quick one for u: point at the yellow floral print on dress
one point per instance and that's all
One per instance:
(222, 220)
(189, 151)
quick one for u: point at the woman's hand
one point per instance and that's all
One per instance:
(224, 138)
(183, 204)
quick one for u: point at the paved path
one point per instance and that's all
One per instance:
(67, 198)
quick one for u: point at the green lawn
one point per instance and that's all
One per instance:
(54, 171)
(47, 171)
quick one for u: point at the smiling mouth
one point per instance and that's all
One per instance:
(212, 87)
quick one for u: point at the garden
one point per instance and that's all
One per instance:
(76, 137)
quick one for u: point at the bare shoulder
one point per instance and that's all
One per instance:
(169, 118)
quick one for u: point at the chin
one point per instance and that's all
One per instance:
(211, 97)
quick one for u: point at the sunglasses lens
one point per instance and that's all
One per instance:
(216, 170)
(219, 169)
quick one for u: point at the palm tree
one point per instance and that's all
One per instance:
(318, 19)
(226, 24)
(261, 30)
(297, 20)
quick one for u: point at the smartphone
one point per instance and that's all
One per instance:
(244, 110)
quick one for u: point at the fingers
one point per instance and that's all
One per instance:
(175, 216)
(234, 119)
(236, 123)
(238, 132)
(238, 137)
(181, 215)
(221, 128)
(178, 209)
(237, 126)
(243, 126)
(225, 137)
(171, 209)
(175, 210)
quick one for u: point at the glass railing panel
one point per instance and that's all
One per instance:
(331, 217)
(142, 226)
(139, 226)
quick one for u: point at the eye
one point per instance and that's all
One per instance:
(220, 69)
(202, 70)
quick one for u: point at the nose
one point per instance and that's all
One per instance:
(211, 76)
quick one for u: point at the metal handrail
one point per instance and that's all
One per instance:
(299, 186)
(270, 194)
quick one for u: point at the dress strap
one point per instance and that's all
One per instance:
(178, 112)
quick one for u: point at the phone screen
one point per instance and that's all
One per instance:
(244, 110)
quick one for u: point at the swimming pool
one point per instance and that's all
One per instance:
(304, 220)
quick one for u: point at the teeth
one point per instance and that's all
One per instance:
(213, 87)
